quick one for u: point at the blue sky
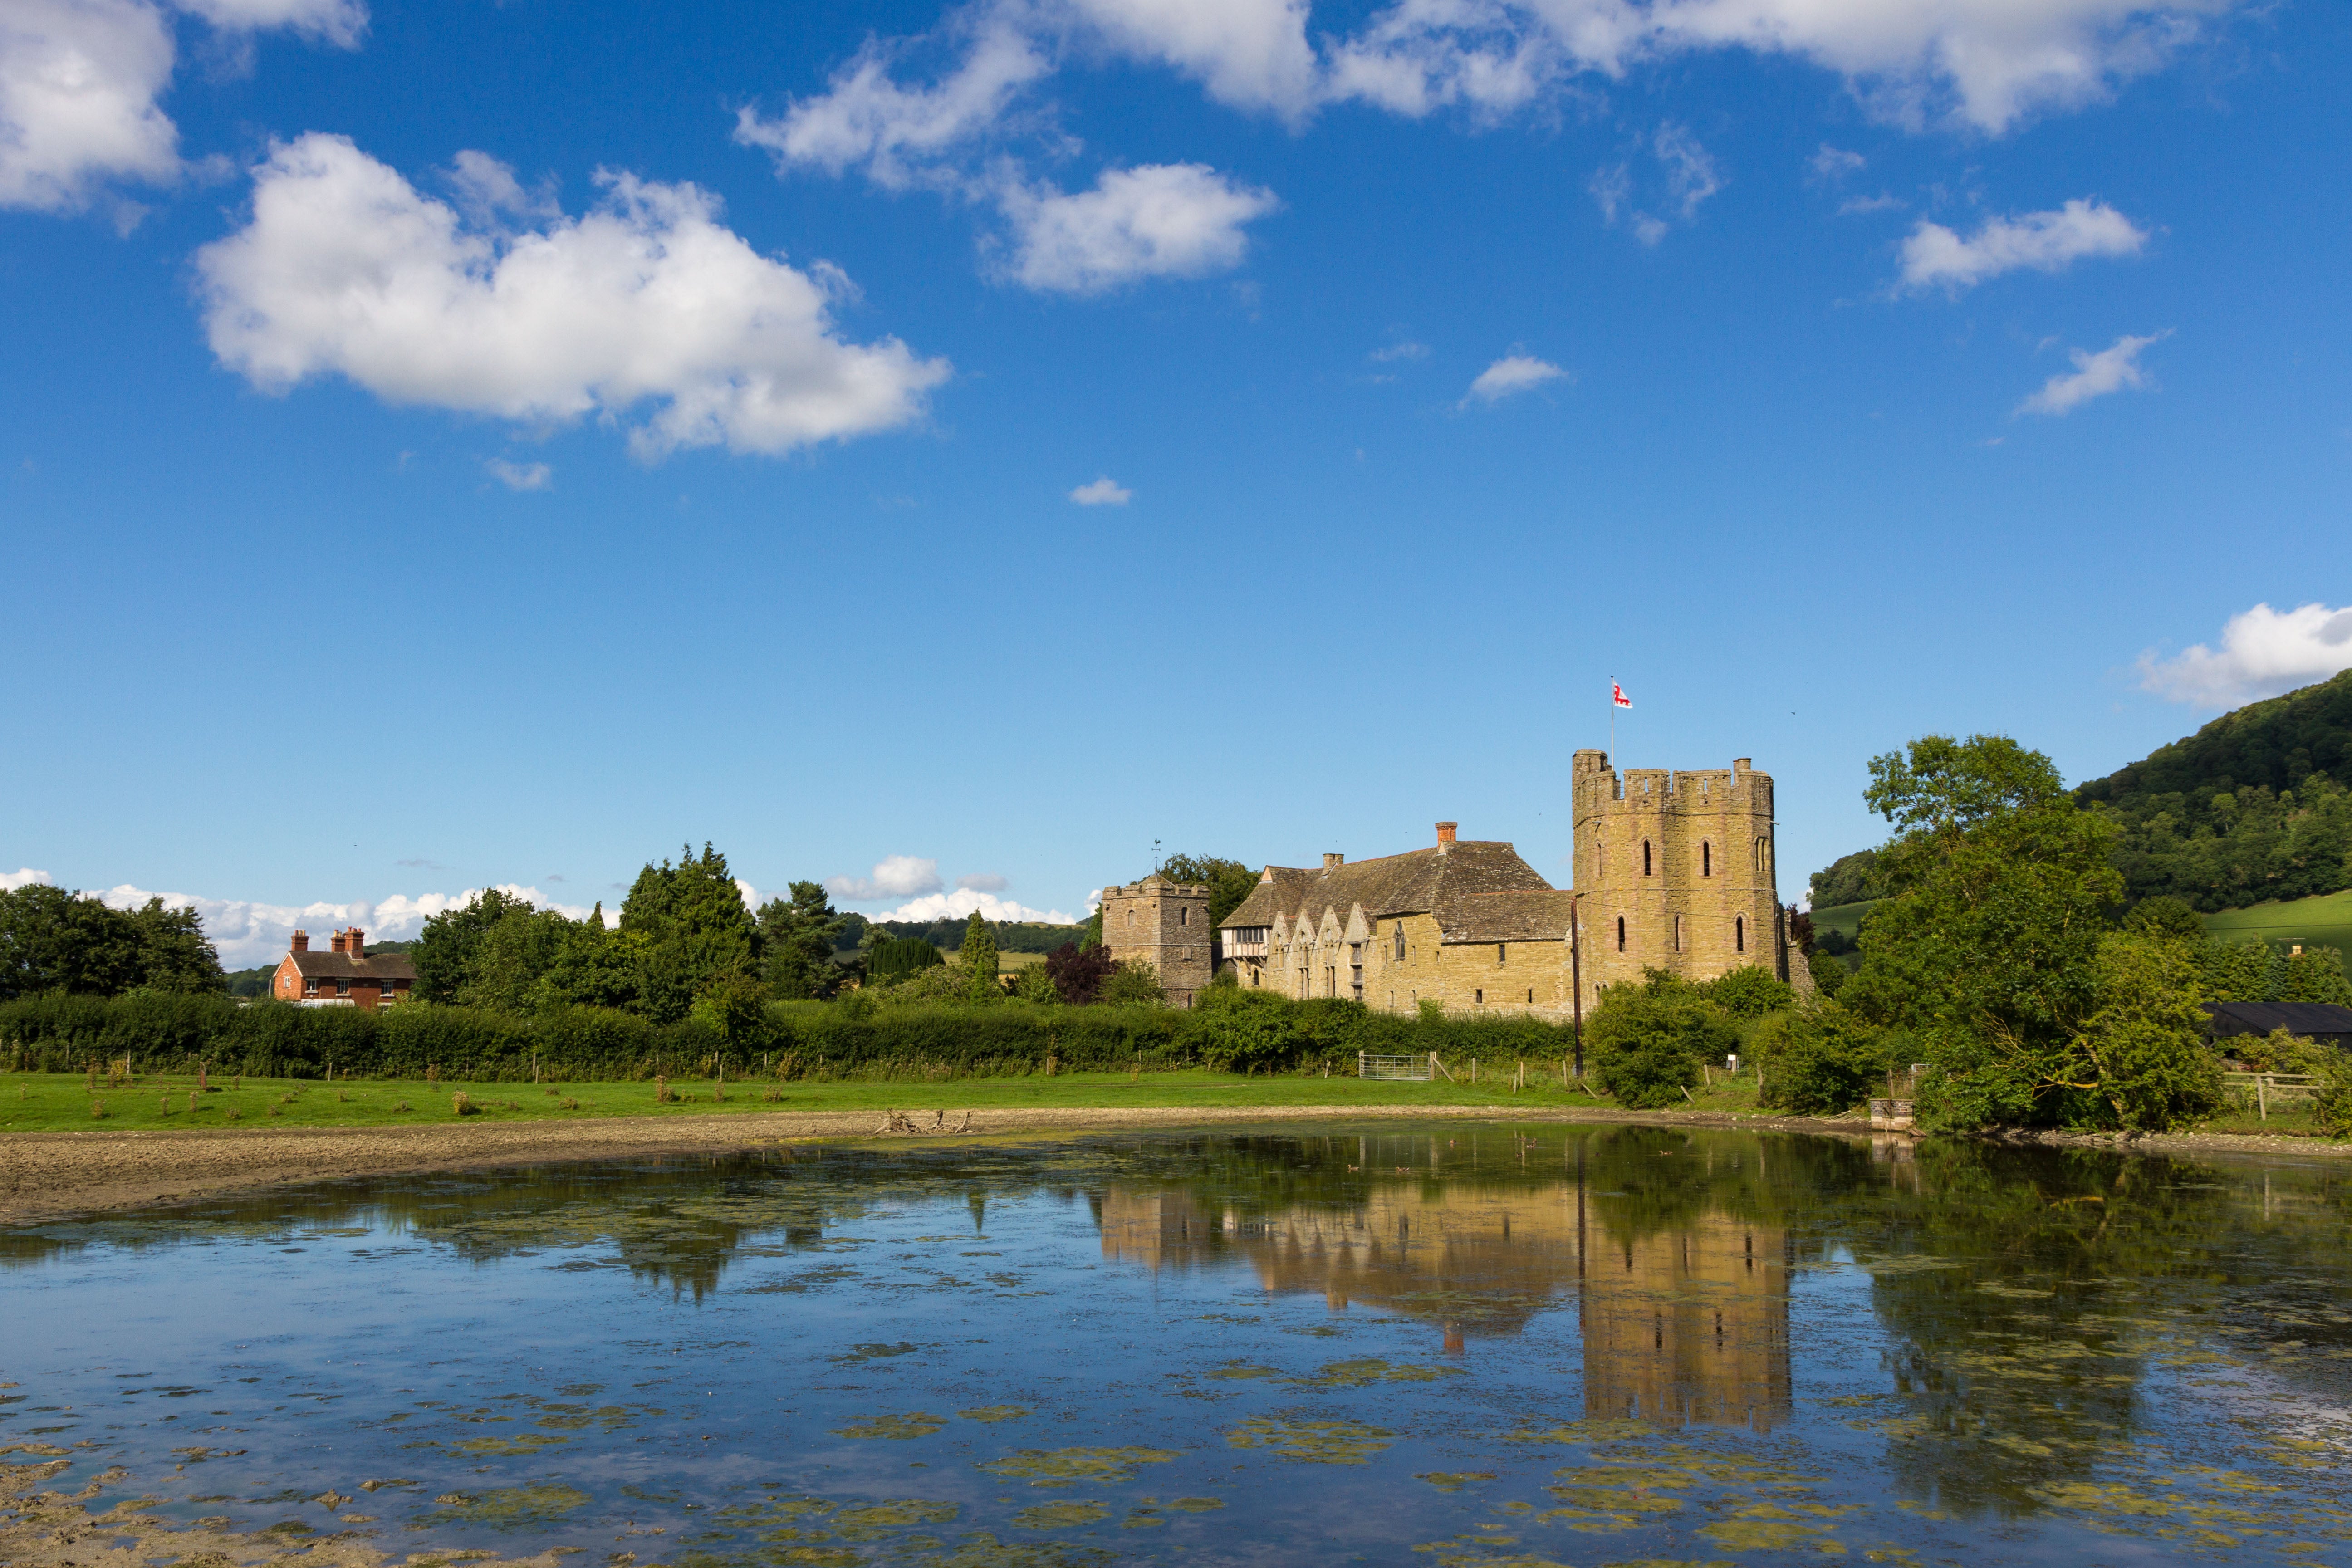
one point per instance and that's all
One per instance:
(947, 449)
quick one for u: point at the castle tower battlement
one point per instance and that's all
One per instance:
(1674, 871)
(1166, 924)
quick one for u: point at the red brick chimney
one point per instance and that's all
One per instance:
(301, 942)
(335, 942)
(357, 945)
(1445, 832)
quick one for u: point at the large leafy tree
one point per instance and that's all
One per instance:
(447, 951)
(695, 927)
(798, 936)
(1993, 947)
(52, 939)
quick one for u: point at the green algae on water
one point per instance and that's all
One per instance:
(1060, 1515)
(1312, 1442)
(914, 1423)
(1066, 1467)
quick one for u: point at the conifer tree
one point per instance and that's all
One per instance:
(979, 959)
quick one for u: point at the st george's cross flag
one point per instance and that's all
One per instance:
(1617, 695)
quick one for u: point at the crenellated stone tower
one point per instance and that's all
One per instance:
(1674, 871)
(1166, 924)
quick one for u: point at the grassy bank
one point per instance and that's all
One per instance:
(2322, 922)
(43, 1102)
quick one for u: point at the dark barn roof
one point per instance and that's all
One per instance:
(2317, 1020)
(1419, 882)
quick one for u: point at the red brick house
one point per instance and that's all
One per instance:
(344, 977)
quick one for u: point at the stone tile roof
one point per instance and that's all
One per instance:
(1418, 881)
(343, 966)
(1524, 914)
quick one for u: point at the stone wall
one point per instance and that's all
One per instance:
(1165, 924)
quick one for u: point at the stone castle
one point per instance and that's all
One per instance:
(1672, 871)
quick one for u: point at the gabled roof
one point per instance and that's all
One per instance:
(343, 966)
(2295, 1017)
(1419, 882)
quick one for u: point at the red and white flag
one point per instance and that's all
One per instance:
(1617, 695)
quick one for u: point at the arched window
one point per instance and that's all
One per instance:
(1705, 858)
(1740, 934)
(1645, 857)
(1621, 933)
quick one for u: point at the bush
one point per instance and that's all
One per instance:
(1820, 1060)
(1236, 1030)
(1133, 984)
(894, 958)
(1749, 993)
(1645, 1043)
(1079, 973)
(1829, 974)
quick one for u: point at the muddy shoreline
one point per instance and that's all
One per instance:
(59, 1175)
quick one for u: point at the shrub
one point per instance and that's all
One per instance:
(1749, 993)
(1829, 976)
(1134, 983)
(1819, 1060)
(1645, 1043)
(896, 957)
(1235, 1030)
(1036, 985)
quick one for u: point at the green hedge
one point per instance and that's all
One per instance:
(795, 1039)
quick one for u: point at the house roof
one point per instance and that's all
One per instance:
(1419, 882)
(343, 966)
(1518, 914)
(2295, 1017)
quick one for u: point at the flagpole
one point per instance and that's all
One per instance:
(1612, 724)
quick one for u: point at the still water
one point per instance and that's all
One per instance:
(1481, 1345)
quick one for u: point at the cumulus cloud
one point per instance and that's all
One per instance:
(521, 476)
(80, 80)
(646, 303)
(983, 882)
(1159, 220)
(2112, 369)
(962, 904)
(249, 934)
(23, 876)
(1935, 257)
(895, 877)
(1511, 374)
(1104, 491)
(2263, 652)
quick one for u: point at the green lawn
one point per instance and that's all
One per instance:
(2322, 922)
(1846, 918)
(58, 1101)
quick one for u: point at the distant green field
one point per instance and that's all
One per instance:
(1846, 918)
(2322, 922)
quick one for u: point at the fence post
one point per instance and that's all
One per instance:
(2262, 1096)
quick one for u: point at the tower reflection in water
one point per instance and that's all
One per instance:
(1683, 1304)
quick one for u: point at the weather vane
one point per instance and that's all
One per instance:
(1155, 855)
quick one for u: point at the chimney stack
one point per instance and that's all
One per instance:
(1333, 862)
(1445, 833)
(301, 942)
(357, 945)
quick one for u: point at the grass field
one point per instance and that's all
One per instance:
(31, 1102)
(2322, 922)
(1846, 918)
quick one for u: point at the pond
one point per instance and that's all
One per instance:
(1456, 1345)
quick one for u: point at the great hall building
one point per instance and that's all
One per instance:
(1672, 871)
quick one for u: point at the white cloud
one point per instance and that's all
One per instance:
(1935, 256)
(2263, 652)
(1103, 492)
(1511, 374)
(983, 882)
(24, 877)
(2112, 369)
(337, 22)
(80, 80)
(1159, 220)
(248, 934)
(1401, 351)
(1691, 176)
(1250, 54)
(521, 476)
(959, 905)
(345, 268)
(895, 877)
(896, 135)
(1835, 162)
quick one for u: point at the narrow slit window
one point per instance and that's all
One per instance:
(1499, 948)
(1740, 934)
(1645, 857)
(1705, 858)
(1621, 933)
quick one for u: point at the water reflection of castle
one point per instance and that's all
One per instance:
(1688, 1323)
